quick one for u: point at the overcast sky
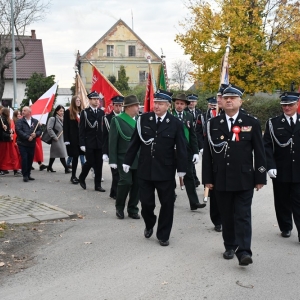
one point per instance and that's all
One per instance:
(78, 24)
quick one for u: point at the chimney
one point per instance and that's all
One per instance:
(33, 35)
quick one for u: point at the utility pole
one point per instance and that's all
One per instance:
(13, 54)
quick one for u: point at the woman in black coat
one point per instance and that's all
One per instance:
(71, 133)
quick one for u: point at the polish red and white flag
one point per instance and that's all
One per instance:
(42, 106)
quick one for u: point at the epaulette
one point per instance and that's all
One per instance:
(251, 116)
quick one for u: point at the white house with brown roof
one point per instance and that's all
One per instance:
(32, 62)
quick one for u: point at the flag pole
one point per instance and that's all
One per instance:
(224, 68)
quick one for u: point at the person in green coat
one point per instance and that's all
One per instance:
(121, 130)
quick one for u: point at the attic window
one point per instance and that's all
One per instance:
(110, 50)
(131, 50)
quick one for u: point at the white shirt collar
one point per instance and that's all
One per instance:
(229, 122)
(294, 118)
(161, 118)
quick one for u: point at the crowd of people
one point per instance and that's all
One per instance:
(146, 150)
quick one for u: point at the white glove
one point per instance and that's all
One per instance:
(82, 148)
(196, 158)
(105, 157)
(201, 151)
(113, 166)
(181, 174)
(126, 168)
(272, 173)
(67, 143)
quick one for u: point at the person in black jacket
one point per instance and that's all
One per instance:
(71, 133)
(27, 130)
(156, 134)
(233, 140)
(282, 144)
(90, 141)
(117, 102)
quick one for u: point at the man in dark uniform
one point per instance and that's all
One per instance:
(117, 102)
(214, 212)
(90, 140)
(121, 130)
(196, 112)
(180, 102)
(233, 140)
(156, 135)
(282, 144)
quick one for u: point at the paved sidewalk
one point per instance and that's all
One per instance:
(15, 210)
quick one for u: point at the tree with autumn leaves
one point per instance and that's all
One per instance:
(265, 42)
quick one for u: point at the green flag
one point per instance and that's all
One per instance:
(162, 80)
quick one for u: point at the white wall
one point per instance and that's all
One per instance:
(9, 91)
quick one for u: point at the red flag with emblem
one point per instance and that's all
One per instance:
(104, 88)
(149, 97)
(42, 106)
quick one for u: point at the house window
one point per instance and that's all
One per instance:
(110, 50)
(6, 102)
(142, 76)
(131, 50)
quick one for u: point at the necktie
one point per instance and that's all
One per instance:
(180, 115)
(231, 120)
(292, 123)
(158, 122)
(95, 111)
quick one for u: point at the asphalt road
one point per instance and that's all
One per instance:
(102, 257)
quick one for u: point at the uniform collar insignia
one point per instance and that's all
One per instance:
(240, 120)
(222, 121)
(151, 118)
(283, 120)
(167, 120)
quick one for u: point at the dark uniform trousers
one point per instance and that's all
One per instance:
(166, 197)
(93, 160)
(114, 183)
(128, 184)
(236, 219)
(287, 203)
(214, 211)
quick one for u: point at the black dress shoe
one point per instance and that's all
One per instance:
(148, 233)
(197, 205)
(43, 167)
(228, 254)
(30, 178)
(74, 180)
(82, 183)
(32, 168)
(99, 189)
(286, 233)
(120, 214)
(164, 243)
(245, 260)
(113, 197)
(197, 183)
(67, 171)
(25, 179)
(134, 216)
(218, 228)
(50, 170)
